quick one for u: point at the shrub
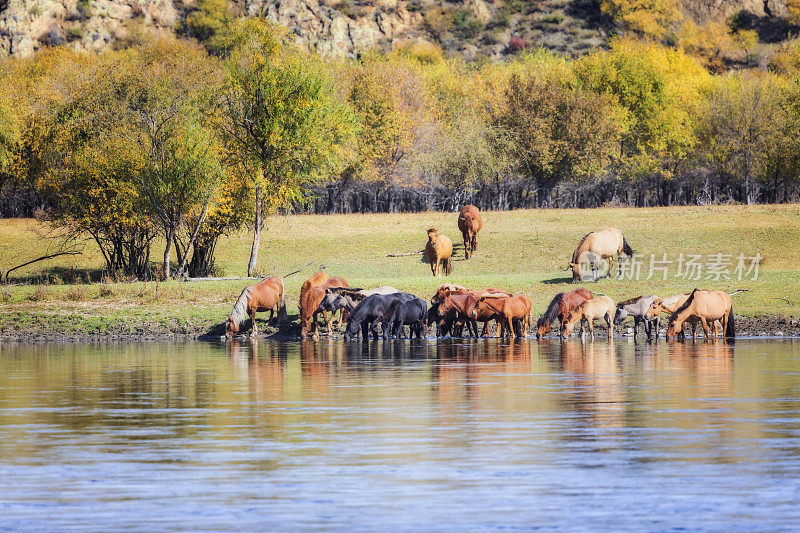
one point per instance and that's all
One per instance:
(74, 34)
(465, 25)
(39, 295)
(76, 293)
(516, 44)
(553, 19)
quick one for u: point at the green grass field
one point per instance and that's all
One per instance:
(524, 250)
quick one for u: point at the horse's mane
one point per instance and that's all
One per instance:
(685, 305)
(629, 301)
(575, 253)
(239, 311)
(552, 311)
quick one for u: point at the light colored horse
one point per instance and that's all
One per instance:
(266, 295)
(591, 310)
(470, 223)
(595, 246)
(704, 305)
(637, 307)
(669, 305)
(438, 249)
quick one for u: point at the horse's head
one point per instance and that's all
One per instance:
(542, 328)
(432, 234)
(576, 271)
(674, 330)
(620, 316)
(569, 322)
(655, 309)
(231, 327)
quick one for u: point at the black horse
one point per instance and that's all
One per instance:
(396, 309)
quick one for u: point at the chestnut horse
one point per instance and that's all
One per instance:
(591, 310)
(704, 305)
(266, 295)
(559, 307)
(309, 306)
(598, 245)
(438, 249)
(508, 308)
(447, 290)
(470, 223)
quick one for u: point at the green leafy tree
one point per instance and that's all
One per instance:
(283, 119)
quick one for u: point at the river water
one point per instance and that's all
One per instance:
(401, 436)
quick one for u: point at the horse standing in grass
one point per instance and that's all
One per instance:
(591, 310)
(705, 306)
(267, 295)
(470, 223)
(439, 249)
(559, 307)
(598, 245)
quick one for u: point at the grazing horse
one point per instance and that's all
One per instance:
(705, 306)
(591, 310)
(637, 307)
(438, 249)
(598, 245)
(559, 307)
(470, 223)
(265, 295)
(671, 304)
(309, 306)
(509, 308)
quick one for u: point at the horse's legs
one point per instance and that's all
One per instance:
(365, 330)
(485, 328)
(704, 323)
(253, 331)
(610, 266)
(590, 325)
(610, 322)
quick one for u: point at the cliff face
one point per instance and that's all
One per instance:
(473, 28)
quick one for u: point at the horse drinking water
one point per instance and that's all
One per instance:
(266, 295)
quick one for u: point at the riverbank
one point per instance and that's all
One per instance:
(524, 250)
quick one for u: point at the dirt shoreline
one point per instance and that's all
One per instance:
(773, 326)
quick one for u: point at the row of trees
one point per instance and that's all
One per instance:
(165, 139)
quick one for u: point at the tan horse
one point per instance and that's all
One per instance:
(671, 304)
(470, 223)
(438, 249)
(595, 246)
(704, 305)
(591, 310)
(309, 306)
(507, 308)
(266, 295)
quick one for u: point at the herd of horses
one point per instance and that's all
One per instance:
(387, 311)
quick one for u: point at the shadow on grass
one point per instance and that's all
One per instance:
(61, 275)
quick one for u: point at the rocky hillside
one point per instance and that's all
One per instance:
(475, 29)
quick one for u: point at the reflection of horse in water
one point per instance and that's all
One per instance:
(597, 383)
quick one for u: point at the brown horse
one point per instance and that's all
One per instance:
(265, 295)
(309, 306)
(508, 308)
(595, 246)
(591, 310)
(559, 307)
(438, 249)
(459, 319)
(705, 306)
(470, 223)
(457, 308)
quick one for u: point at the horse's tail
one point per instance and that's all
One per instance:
(730, 331)
(626, 248)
